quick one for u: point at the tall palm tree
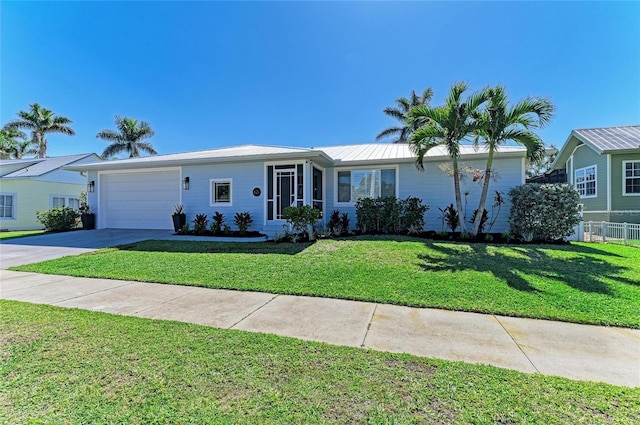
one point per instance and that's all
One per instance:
(40, 121)
(449, 125)
(400, 111)
(129, 138)
(498, 122)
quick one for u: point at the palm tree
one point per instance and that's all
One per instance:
(22, 148)
(500, 122)
(11, 147)
(129, 138)
(449, 125)
(40, 121)
(400, 111)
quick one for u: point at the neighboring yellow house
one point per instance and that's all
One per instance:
(30, 185)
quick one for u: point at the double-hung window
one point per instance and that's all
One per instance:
(585, 181)
(65, 201)
(7, 206)
(631, 176)
(366, 183)
(221, 192)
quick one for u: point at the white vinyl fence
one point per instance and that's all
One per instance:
(603, 231)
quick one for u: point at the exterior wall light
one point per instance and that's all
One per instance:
(91, 187)
(185, 183)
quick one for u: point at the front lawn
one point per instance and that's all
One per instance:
(67, 366)
(584, 283)
(19, 234)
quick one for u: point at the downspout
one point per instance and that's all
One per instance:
(609, 183)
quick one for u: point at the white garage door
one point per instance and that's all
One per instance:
(141, 200)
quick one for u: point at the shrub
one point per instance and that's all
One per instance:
(333, 225)
(217, 221)
(450, 216)
(390, 215)
(200, 224)
(301, 217)
(413, 214)
(544, 212)
(344, 223)
(58, 219)
(243, 220)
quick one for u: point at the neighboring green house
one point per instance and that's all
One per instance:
(604, 165)
(30, 185)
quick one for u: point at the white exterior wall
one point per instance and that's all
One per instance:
(33, 195)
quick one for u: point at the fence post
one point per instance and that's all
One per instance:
(590, 231)
(625, 230)
(604, 231)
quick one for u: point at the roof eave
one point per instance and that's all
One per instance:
(193, 161)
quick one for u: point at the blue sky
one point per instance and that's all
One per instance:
(214, 74)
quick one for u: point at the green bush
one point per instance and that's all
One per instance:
(301, 217)
(200, 224)
(390, 215)
(413, 214)
(58, 219)
(544, 212)
(243, 220)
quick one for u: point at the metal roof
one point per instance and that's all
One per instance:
(42, 166)
(373, 152)
(330, 155)
(611, 138)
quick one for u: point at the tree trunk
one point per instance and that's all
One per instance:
(483, 195)
(456, 186)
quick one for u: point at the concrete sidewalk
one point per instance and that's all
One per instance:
(573, 351)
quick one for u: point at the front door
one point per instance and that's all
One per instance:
(285, 190)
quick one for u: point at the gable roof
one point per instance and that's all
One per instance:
(603, 140)
(39, 167)
(330, 155)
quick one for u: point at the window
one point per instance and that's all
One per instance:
(221, 192)
(586, 181)
(631, 176)
(65, 201)
(7, 204)
(366, 183)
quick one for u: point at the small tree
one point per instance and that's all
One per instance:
(302, 217)
(544, 212)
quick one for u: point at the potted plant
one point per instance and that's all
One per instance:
(179, 218)
(87, 217)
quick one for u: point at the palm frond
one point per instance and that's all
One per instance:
(387, 132)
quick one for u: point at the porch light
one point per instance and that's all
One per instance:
(91, 187)
(185, 183)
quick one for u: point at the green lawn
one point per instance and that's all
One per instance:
(584, 283)
(62, 366)
(19, 234)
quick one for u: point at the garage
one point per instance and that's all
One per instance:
(138, 200)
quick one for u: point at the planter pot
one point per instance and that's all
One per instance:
(88, 221)
(179, 220)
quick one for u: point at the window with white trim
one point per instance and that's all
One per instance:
(585, 181)
(65, 201)
(7, 206)
(631, 176)
(366, 183)
(221, 192)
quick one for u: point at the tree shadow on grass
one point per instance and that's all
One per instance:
(197, 247)
(513, 264)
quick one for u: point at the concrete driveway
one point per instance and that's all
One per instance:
(32, 249)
